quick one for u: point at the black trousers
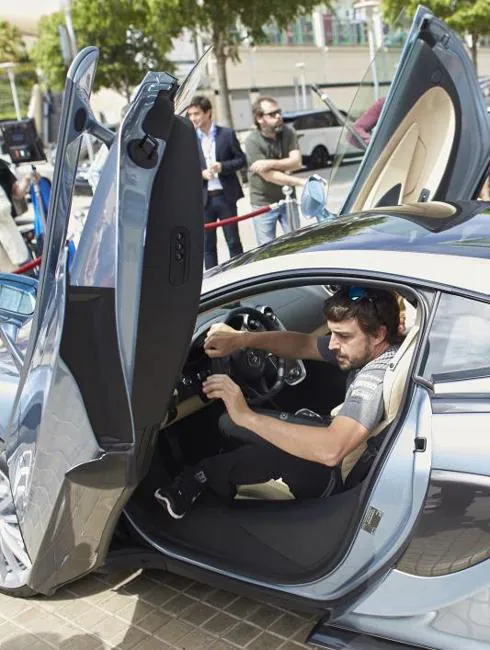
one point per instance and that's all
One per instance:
(257, 461)
(218, 208)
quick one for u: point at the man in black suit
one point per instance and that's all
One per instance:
(222, 158)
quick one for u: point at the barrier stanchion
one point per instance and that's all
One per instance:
(292, 211)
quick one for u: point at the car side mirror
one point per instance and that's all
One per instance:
(313, 199)
(17, 304)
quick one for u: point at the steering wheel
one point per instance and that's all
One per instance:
(247, 366)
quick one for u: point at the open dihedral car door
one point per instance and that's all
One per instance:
(432, 140)
(111, 331)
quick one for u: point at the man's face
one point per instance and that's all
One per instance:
(352, 347)
(271, 120)
(198, 117)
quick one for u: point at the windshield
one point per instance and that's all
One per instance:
(365, 111)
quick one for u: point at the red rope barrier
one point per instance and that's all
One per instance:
(214, 224)
(249, 215)
(28, 266)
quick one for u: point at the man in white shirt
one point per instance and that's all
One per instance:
(222, 158)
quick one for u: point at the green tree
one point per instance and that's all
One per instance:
(12, 46)
(228, 22)
(13, 50)
(120, 29)
(465, 16)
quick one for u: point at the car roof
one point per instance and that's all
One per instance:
(443, 243)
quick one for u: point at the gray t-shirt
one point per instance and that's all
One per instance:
(364, 395)
(258, 147)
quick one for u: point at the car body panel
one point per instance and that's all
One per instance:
(414, 149)
(84, 422)
(436, 258)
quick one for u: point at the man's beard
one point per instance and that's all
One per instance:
(354, 364)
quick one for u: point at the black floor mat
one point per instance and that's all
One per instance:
(280, 541)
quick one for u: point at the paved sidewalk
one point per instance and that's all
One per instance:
(149, 610)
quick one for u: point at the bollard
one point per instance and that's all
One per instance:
(292, 211)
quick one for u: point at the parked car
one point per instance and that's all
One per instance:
(318, 132)
(102, 368)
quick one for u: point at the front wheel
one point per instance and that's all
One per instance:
(319, 157)
(15, 565)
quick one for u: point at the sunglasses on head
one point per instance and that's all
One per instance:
(354, 294)
(275, 113)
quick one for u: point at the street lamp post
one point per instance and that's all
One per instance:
(9, 69)
(301, 67)
(370, 7)
(66, 6)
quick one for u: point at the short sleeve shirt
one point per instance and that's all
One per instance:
(364, 395)
(258, 147)
(7, 181)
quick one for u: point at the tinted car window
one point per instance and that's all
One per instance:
(459, 339)
(314, 121)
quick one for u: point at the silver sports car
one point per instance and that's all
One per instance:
(102, 366)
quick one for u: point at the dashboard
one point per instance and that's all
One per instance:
(297, 309)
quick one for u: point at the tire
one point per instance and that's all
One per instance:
(15, 564)
(319, 157)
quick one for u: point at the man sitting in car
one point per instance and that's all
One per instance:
(306, 454)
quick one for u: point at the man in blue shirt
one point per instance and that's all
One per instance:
(222, 158)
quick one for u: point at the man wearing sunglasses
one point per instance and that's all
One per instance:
(272, 153)
(307, 453)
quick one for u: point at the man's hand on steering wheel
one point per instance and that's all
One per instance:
(222, 340)
(223, 387)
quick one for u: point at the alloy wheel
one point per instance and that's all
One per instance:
(15, 564)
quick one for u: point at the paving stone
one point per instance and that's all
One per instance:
(291, 645)
(82, 642)
(220, 598)
(87, 587)
(242, 634)
(173, 631)
(138, 586)
(154, 621)
(10, 607)
(136, 611)
(177, 582)
(287, 625)
(90, 618)
(199, 590)
(37, 620)
(129, 638)
(266, 641)
(219, 623)
(26, 641)
(178, 605)
(115, 603)
(159, 595)
(264, 616)
(222, 645)
(199, 613)
(196, 640)
(108, 627)
(242, 607)
(151, 644)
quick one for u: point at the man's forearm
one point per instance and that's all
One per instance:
(286, 164)
(301, 440)
(289, 345)
(281, 178)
